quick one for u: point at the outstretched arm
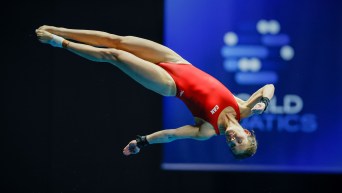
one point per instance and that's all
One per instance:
(200, 132)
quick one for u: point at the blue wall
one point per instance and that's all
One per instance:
(296, 45)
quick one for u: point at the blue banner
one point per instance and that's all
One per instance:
(297, 46)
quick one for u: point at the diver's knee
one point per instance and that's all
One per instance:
(170, 88)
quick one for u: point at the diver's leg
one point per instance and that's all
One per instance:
(144, 72)
(142, 48)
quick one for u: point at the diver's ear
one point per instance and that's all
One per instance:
(247, 132)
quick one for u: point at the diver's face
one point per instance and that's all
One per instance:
(237, 139)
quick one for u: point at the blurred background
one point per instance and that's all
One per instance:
(66, 119)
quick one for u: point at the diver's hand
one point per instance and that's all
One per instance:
(258, 108)
(131, 148)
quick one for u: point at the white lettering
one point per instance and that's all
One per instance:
(273, 108)
(285, 117)
(292, 104)
(293, 123)
(214, 109)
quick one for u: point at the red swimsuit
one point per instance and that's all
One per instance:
(204, 95)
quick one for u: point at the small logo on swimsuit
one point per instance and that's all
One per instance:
(181, 93)
(214, 109)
